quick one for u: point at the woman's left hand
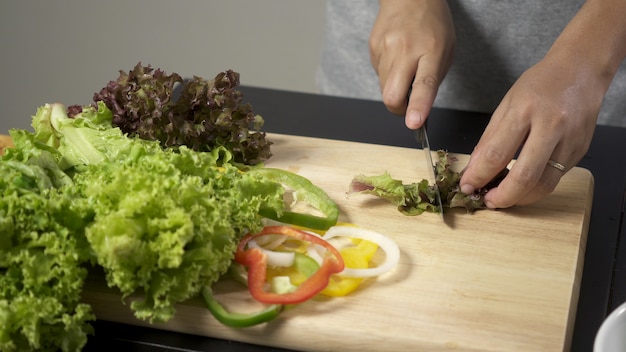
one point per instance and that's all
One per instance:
(550, 113)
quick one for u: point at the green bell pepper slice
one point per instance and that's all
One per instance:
(238, 320)
(305, 191)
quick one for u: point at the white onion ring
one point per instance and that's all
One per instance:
(270, 242)
(274, 258)
(315, 252)
(391, 249)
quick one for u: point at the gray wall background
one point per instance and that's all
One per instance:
(66, 50)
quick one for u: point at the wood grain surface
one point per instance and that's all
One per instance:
(504, 280)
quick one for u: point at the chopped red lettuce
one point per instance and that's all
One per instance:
(416, 198)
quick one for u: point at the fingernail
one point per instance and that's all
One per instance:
(413, 119)
(467, 189)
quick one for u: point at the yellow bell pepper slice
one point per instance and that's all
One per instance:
(356, 257)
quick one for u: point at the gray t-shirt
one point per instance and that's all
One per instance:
(497, 40)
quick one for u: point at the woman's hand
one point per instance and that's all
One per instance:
(550, 113)
(412, 44)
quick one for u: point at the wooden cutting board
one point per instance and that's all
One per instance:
(490, 281)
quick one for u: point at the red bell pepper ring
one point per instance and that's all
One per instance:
(256, 262)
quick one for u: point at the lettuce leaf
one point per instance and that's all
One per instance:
(416, 198)
(206, 115)
(167, 223)
(42, 248)
(78, 192)
(87, 138)
(411, 199)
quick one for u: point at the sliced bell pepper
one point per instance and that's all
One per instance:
(256, 262)
(303, 267)
(303, 190)
(238, 320)
(356, 257)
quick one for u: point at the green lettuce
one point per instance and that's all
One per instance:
(42, 249)
(167, 223)
(411, 199)
(78, 192)
(87, 138)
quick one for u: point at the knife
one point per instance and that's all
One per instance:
(422, 137)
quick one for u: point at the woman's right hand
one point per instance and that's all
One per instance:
(411, 46)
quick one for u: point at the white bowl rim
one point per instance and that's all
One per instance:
(601, 336)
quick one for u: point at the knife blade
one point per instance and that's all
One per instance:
(422, 137)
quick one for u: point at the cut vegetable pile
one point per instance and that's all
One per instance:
(416, 198)
(284, 265)
(166, 198)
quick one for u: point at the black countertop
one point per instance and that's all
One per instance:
(603, 285)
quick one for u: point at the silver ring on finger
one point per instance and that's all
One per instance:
(556, 165)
